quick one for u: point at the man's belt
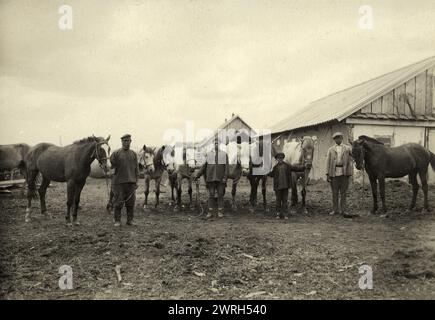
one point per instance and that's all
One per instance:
(339, 165)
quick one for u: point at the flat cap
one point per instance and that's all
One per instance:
(126, 136)
(337, 134)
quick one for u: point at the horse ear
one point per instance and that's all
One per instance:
(108, 138)
(314, 139)
(144, 148)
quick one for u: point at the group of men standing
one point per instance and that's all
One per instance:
(124, 182)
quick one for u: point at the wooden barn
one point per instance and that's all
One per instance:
(236, 123)
(396, 108)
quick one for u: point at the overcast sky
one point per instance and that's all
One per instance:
(144, 66)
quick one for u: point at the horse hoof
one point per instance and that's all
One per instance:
(251, 210)
(305, 211)
(176, 209)
(76, 223)
(27, 220)
(69, 224)
(266, 210)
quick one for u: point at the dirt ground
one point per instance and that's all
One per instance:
(244, 255)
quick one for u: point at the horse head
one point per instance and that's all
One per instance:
(239, 154)
(307, 151)
(359, 148)
(358, 151)
(100, 152)
(146, 159)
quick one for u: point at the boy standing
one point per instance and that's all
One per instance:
(281, 174)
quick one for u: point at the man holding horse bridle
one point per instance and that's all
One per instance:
(339, 170)
(215, 170)
(125, 178)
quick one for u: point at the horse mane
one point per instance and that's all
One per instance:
(369, 139)
(89, 139)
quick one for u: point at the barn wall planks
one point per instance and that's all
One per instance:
(367, 108)
(410, 92)
(429, 92)
(377, 105)
(420, 93)
(399, 102)
(387, 103)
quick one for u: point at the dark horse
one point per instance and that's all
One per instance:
(382, 162)
(13, 156)
(71, 164)
(154, 166)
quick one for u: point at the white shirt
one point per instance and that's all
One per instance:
(340, 150)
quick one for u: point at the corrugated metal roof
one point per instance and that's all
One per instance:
(342, 104)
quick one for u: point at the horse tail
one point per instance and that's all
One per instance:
(432, 160)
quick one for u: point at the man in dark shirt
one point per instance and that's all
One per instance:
(124, 182)
(281, 174)
(215, 170)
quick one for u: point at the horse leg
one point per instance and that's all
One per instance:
(147, 191)
(178, 200)
(413, 181)
(294, 196)
(77, 194)
(31, 189)
(382, 193)
(157, 186)
(70, 188)
(424, 186)
(374, 186)
(233, 195)
(303, 195)
(190, 191)
(42, 192)
(109, 205)
(254, 187)
(263, 192)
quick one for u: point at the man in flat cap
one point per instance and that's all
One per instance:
(215, 169)
(124, 181)
(339, 170)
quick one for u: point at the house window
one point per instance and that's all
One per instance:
(386, 140)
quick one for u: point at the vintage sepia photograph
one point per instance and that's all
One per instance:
(217, 150)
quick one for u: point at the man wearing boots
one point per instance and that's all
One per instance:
(124, 183)
(339, 170)
(215, 170)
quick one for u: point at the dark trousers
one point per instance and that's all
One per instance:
(339, 185)
(281, 202)
(124, 194)
(213, 188)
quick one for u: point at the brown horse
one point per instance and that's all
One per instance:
(382, 162)
(71, 164)
(13, 156)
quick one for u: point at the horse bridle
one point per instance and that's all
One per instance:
(97, 155)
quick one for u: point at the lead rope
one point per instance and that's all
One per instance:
(198, 200)
(363, 179)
